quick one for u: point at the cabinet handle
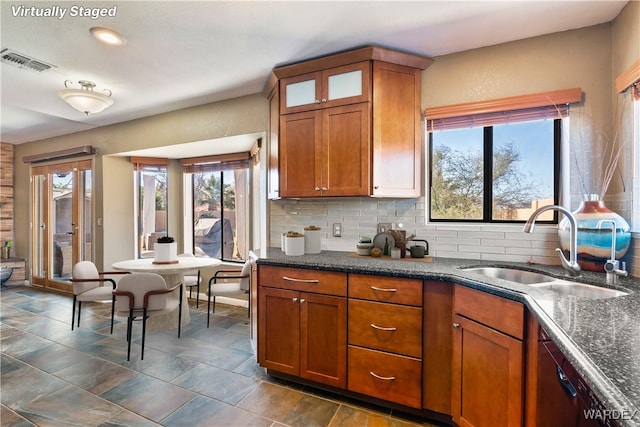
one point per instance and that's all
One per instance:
(375, 288)
(566, 383)
(317, 188)
(291, 279)
(324, 99)
(301, 300)
(317, 101)
(324, 188)
(456, 325)
(294, 299)
(373, 374)
(382, 328)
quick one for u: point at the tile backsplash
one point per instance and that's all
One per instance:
(360, 216)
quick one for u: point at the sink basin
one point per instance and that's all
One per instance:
(512, 274)
(583, 290)
(542, 281)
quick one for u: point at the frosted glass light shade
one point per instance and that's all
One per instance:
(85, 99)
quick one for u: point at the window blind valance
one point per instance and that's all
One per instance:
(545, 105)
(630, 78)
(141, 162)
(216, 163)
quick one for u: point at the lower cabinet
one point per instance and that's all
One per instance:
(303, 333)
(488, 360)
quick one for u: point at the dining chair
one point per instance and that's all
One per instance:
(192, 279)
(89, 284)
(140, 296)
(219, 285)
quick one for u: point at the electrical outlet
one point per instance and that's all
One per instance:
(383, 227)
(337, 230)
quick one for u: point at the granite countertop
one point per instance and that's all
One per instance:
(601, 337)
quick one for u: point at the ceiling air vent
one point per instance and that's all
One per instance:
(23, 61)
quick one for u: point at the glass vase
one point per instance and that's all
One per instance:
(594, 236)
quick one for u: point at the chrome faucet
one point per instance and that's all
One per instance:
(611, 267)
(571, 265)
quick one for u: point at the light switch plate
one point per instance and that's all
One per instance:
(337, 230)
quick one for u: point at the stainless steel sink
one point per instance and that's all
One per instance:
(512, 274)
(542, 281)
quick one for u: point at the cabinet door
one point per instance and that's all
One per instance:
(487, 376)
(323, 339)
(344, 85)
(397, 136)
(346, 151)
(301, 93)
(300, 154)
(279, 330)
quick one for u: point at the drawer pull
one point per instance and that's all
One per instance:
(291, 279)
(373, 374)
(382, 328)
(375, 288)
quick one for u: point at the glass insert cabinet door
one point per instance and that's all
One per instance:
(62, 232)
(329, 88)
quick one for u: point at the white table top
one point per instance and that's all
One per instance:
(147, 265)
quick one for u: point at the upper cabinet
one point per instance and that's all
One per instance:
(347, 125)
(328, 88)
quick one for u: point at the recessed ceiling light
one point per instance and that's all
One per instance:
(107, 35)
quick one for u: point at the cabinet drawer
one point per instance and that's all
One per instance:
(386, 289)
(300, 279)
(499, 313)
(386, 327)
(385, 376)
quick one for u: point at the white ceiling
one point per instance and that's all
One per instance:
(185, 53)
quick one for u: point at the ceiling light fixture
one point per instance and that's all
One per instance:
(107, 35)
(85, 99)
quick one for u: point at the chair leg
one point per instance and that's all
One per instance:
(113, 310)
(73, 311)
(129, 327)
(144, 330)
(197, 294)
(79, 308)
(208, 306)
(180, 310)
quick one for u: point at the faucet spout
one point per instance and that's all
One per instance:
(571, 264)
(611, 267)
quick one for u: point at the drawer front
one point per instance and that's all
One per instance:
(499, 313)
(386, 289)
(300, 279)
(386, 327)
(385, 376)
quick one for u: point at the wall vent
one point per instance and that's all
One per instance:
(23, 61)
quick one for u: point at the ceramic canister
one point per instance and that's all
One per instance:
(294, 244)
(312, 237)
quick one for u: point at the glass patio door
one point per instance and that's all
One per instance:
(62, 221)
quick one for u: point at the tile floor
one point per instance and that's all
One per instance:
(52, 376)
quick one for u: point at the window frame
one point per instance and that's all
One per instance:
(488, 157)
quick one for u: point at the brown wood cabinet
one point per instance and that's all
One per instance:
(303, 333)
(488, 360)
(326, 153)
(385, 338)
(349, 125)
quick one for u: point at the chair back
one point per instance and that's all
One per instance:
(139, 284)
(245, 281)
(84, 270)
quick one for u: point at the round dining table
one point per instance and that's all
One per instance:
(172, 274)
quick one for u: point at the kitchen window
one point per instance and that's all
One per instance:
(498, 173)
(218, 206)
(496, 161)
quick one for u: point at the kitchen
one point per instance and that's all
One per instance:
(590, 58)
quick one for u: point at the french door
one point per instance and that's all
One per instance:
(61, 221)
